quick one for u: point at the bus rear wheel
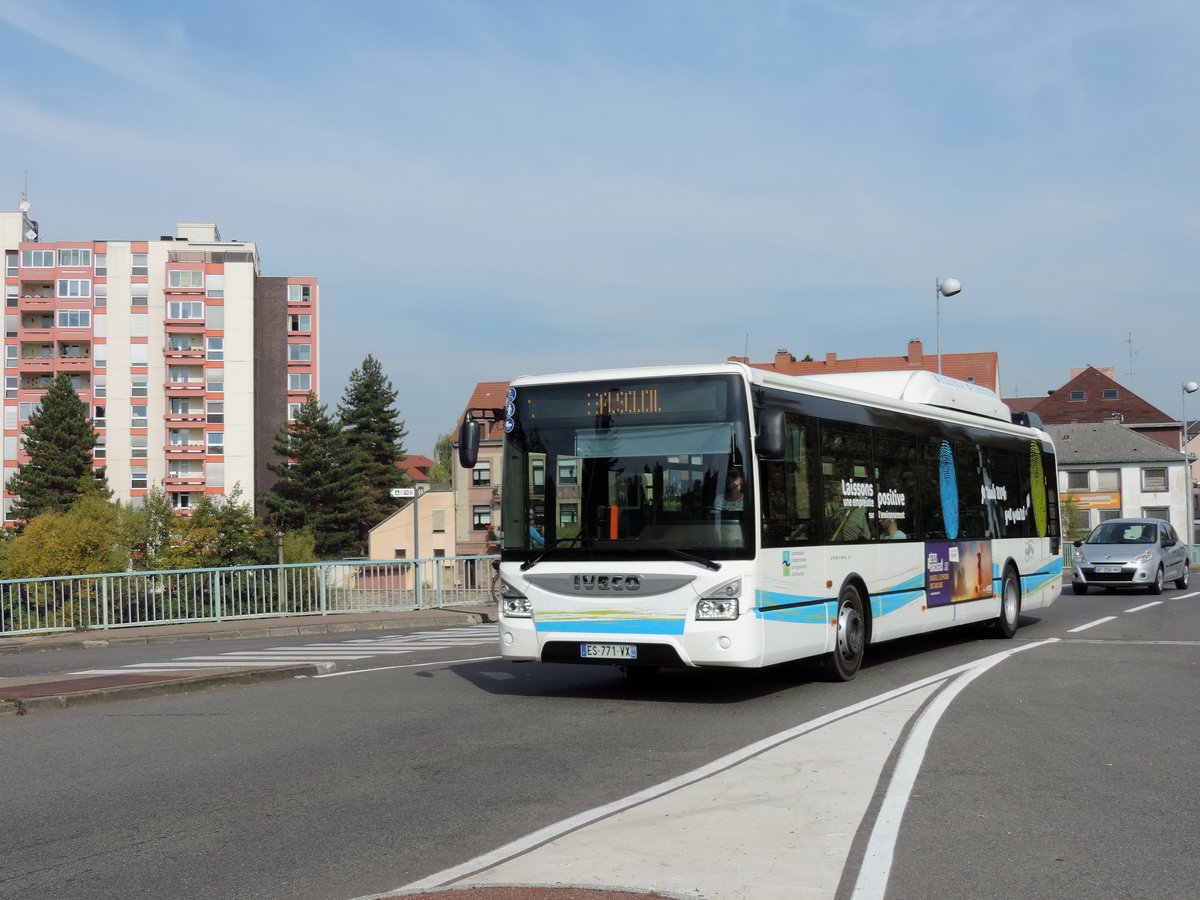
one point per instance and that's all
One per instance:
(1010, 604)
(847, 656)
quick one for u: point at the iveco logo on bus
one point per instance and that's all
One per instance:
(626, 583)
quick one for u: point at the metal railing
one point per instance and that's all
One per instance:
(117, 600)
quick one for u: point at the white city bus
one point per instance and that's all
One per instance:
(870, 507)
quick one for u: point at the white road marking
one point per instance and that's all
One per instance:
(1091, 624)
(1185, 596)
(441, 662)
(536, 839)
(1144, 606)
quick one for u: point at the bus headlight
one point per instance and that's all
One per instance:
(721, 603)
(514, 604)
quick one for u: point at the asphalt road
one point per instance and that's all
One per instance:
(1063, 771)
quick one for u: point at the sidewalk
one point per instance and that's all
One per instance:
(19, 695)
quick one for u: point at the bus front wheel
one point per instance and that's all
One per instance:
(843, 663)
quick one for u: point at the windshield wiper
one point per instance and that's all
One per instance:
(538, 557)
(692, 557)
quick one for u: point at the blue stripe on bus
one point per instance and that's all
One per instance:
(614, 626)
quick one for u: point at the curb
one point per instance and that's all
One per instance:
(17, 706)
(109, 637)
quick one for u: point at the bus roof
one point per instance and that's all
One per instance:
(919, 387)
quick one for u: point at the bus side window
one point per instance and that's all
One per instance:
(789, 488)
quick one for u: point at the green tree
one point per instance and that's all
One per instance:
(241, 538)
(150, 530)
(316, 488)
(375, 435)
(88, 539)
(441, 472)
(59, 439)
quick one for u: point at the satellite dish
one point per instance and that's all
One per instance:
(24, 206)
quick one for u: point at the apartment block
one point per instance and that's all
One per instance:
(189, 359)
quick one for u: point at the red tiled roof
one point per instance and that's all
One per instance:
(980, 368)
(416, 466)
(1059, 409)
(489, 395)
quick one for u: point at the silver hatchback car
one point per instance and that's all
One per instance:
(1130, 553)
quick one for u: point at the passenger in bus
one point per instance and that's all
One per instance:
(844, 523)
(891, 531)
(535, 536)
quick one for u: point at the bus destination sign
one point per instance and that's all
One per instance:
(632, 401)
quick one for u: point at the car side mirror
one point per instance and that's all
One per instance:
(468, 443)
(1078, 543)
(771, 443)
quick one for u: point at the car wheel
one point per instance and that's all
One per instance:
(1010, 604)
(1182, 581)
(1079, 588)
(847, 656)
(1156, 587)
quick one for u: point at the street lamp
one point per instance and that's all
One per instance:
(947, 288)
(1189, 387)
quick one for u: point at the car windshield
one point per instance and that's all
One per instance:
(1123, 533)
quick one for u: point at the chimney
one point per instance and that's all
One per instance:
(916, 354)
(830, 358)
(783, 359)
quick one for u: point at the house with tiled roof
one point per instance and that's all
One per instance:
(477, 492)
(1108, 471)
(416, 467)
(1093, 395)
(982, 369)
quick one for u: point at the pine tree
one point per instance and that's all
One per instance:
(375, 435)
(59, 439)
(316, 487)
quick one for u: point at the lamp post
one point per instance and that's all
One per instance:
(947, 288)
(1189, 387)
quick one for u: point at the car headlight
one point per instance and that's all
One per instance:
(721, 603)
(514, 604)
(1144, 557)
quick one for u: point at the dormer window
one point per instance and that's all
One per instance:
(1108, 394)
(1078, 396)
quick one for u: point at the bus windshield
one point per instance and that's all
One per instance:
(652, 468)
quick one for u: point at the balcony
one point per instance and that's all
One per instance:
(188, 353)
(31, 303)
(35, 364)
(184, 482)
(190, 326)
(185, 450)
(185, 417)
(184, 388)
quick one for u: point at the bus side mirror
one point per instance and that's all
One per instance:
(771, 440)
(468, 443)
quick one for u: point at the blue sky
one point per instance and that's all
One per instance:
(507, 188)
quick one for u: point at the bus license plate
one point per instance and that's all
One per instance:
(1108, 570)
(608, 651)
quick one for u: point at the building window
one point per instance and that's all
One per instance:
(139, 354)
(101, 298)
(216, 443)
(1077, 396)
(138, 444)
(27, 410)
(10, 387)
(481, 517)
(139, 325)
(185, 309)
(481, 475)
(1077, 481)
(10, 356)
(1108, 480)
(11, 300)
(139, 295)
(101, 265)
(216, 412)
(1154, 512)
(298, 293)
(215, 286)
(568, 514)
(216, 348)
(74, 256)
(300, 381)
(137, 416)
(100, 451)
(1154, 479)
(539, 473)
(181, 501)
(137, 477)
(74, 318)
(36, 259)
(138, 386)
(294, 411)
(10, 264)
(438, 521)
(215, 379)
(99, 415)
(299, 352)
(100, 356)
(400, 553)
(100, 386)
(300, 324)
(568, 471)
(185, 279)
(1106, 514)
(1108, 394)
(139, 265)
(74, 287)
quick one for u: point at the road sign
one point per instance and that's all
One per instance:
(403, 492)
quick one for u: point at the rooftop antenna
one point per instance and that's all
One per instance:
(1129, 340)
(746, 349)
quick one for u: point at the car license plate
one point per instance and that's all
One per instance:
(608, 651)
(1108, 570)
